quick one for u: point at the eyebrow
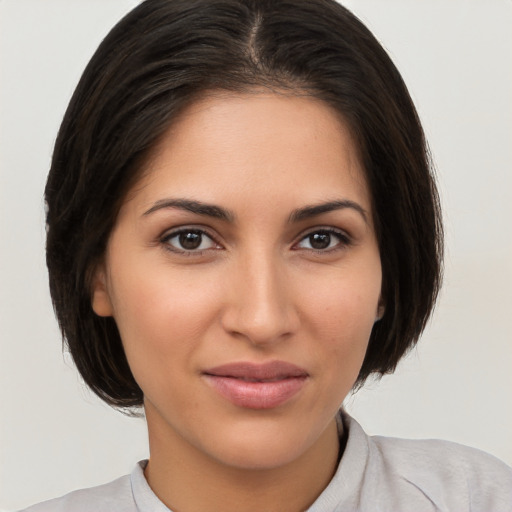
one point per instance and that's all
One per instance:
(197, 207)
(311, 211)
(217, 212)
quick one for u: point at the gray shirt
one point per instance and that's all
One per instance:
(376, 474)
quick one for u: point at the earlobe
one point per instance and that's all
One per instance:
(100, 298)
(381, 309)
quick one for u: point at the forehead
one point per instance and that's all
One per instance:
(226, 145)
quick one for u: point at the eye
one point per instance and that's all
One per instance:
(324, 240)
(189, 240)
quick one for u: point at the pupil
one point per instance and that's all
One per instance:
(190, 240)
(320, 240)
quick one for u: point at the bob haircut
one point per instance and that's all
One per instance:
(161, 57)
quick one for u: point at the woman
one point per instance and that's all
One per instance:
(242, 227)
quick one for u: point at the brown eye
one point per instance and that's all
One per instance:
(320, 240)
(324, 240)
(189, 240)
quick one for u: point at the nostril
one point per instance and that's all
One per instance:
(262, 327)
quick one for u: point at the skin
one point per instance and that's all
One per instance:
(258, 289)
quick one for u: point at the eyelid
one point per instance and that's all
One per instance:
(345, 239)
(173, 232)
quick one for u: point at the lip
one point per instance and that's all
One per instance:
(257, 386)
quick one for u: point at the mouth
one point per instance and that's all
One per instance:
(257, 386)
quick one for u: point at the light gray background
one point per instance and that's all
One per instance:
(455, 55)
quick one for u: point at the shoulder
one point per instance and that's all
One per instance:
(447, 472)
(420, 475)
(115, 496)
(447, 457)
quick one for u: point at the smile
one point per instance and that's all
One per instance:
(257, 386)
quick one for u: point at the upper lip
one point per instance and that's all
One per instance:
(273, 370)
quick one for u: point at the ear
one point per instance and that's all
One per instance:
(100, 298)
(381, 309)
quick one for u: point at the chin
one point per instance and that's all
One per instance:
(261, 446)
(259, 456)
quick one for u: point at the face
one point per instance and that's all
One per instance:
(244, 276)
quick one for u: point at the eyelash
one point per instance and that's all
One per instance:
(343, 241)
(165, 240)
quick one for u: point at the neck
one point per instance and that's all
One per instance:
(187, 480)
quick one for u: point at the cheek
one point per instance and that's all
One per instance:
(343, 301)
(161, 316)
(341, 315)
(156, 296)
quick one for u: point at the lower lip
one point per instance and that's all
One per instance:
(256, 395)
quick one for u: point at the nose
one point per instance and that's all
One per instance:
(260, 304)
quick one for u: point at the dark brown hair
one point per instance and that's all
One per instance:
(155, 62)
